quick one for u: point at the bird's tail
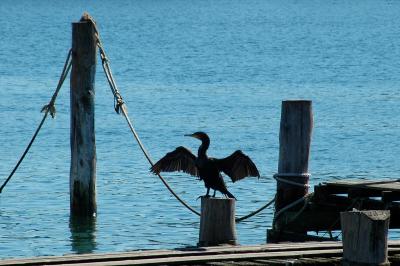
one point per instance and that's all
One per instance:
(230, 195)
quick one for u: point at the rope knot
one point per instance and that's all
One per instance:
(49, 108)
(118, 104)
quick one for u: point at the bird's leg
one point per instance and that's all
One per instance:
(214, 193)
(208, 193)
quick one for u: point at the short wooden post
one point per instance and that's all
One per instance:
(365, 235)
(294, 152)
(83, 145)
(217, 222)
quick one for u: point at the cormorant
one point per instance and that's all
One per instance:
(237, 166)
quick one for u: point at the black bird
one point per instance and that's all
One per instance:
(237, 166)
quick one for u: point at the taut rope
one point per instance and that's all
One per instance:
(48, 108)
(120, 107)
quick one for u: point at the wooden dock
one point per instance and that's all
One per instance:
(310, 253)
(322, 212)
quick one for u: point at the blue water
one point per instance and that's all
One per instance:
(182, 66)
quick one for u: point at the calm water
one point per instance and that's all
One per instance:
(182, 66)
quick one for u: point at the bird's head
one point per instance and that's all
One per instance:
(199, 135)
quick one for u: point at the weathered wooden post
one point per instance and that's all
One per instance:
(83, 145)
(365, 235)
(217, 222)
(294, 152)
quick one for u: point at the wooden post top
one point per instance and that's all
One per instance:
(375, 215)
(365, 237)
(216, 199)
(298, 101)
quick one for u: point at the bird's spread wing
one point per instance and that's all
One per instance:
(181, 159)
(237, 166)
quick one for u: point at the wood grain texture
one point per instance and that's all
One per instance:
(294, 150)
(294, 153)
(365, 237)
(83, 144)
(266, 253)
(217, 222)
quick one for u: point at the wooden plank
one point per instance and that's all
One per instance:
(355, 189)
(322, 247)
(176, 253)
(382, 185)
(224, 257)
(324, 215)
(322, 190)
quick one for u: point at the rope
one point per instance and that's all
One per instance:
(120, 107)
(296, 202)
(118, 101)
(278, 178)
(255, 212)
(354, 202)
(306, 198)
(49, 108)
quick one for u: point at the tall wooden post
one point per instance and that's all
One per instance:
(365, 236)
(83, 145)
(294, 152)
(217, 222)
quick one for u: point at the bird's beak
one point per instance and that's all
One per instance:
(191, 135)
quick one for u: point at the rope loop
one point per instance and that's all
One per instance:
(279, 176)
(306, 198)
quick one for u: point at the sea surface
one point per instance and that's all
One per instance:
(222, 67)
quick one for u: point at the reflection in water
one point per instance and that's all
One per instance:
(83, 234)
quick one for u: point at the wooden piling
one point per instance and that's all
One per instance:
(217, 222)
(365, 237)
(294, 152)
(83, 145)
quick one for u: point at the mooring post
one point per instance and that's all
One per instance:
(365, 235)
(83, 145)
(217, 222)
(294, 152)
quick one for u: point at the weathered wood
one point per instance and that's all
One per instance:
(217, 222)
(365, 237)
(284, 253)
(83, 145)
(295, 136)
(324, 213)
(382, 185)
(201, 259)
(294, 152)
